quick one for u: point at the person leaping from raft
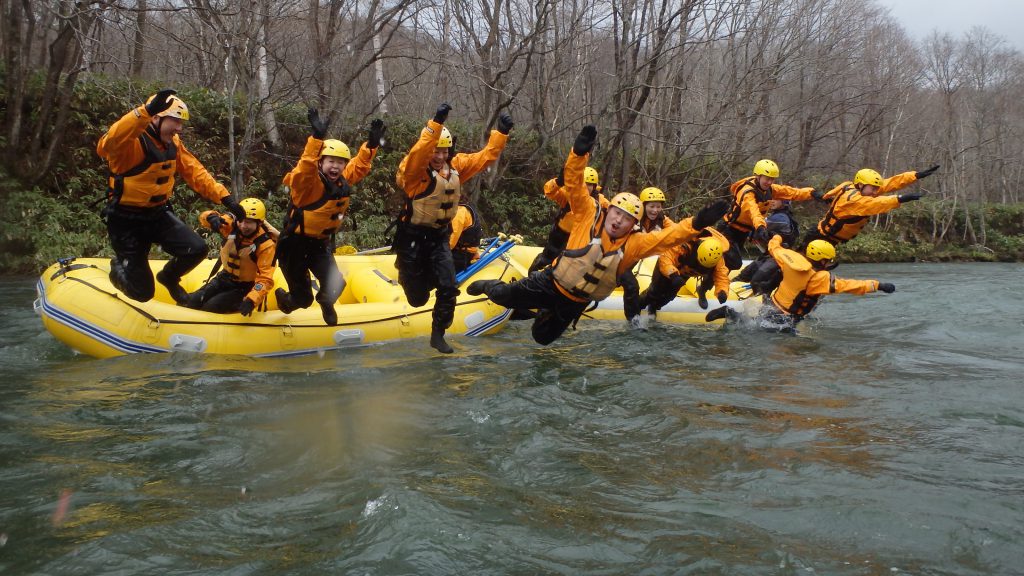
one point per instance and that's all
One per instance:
(601, 246)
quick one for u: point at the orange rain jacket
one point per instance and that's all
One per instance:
(851, 210)
(124, 149)
(749, 202)
(675, 260)
(419, 182)
(312, 211)
(243, 258)
(589, 225)
(802, 285)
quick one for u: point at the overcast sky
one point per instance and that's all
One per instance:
(920, 17)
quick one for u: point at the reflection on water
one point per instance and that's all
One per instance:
(885, 438)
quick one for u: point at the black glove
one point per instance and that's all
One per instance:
(760, 235)
(318, 127)
(887, 287)
(585, 141)
(377, 129)
(246, 307)
(442, 113)
(505, 123)
(215, 221)
(926, 173)
(908, 197)
(722, 297)
(160, 102)
(560, 179)
(702, 299)
(710, 214)
(232, 205)
(818, 195)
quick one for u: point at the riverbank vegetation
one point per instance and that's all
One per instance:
(686, 95)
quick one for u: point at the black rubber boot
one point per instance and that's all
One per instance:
(438, 342)
(480, 287)
(330, 315)
(720, 313)
(284, 301)
(173, 287)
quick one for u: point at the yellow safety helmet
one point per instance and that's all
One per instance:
(629, 203)
(254, 208)
(818, 250)
(177, 109)
(867, 176)
(709, 252)
(335, 148)
(652, 194)
(590, 175)
(445, 140)
(767, 168)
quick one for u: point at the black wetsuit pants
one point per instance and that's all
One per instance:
(299, 255)
(538, 291)
(630, 294)
(424, 262)
(222, 295)
(734, 256)
(133, 232)
(663, 289)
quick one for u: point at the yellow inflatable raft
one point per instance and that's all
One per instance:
(682, 310)
(80, 307)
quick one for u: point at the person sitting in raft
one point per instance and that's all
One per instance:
(554, 190)
(653, 219)
(750, 198)
(804, 281)
(763, 274)
(600, 248)
(246, 261)
(320, 186)
(144, 153)
(854, 203)
(467, 231)
(432, 182)
(699, 258)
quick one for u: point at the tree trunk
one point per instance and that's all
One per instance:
(139, 48)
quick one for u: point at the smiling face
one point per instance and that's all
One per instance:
(438, 159)
(653, 210)
(248, 226)
(332, 167)
(765, 182)
(169, 127)
(618, 222)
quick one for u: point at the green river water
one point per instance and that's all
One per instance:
(887, 438)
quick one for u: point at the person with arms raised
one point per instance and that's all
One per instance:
(751, 197)
(319, 187)
(805, 279)
(432, 181)
(144, 153)
(854, 203)
(601, 246)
